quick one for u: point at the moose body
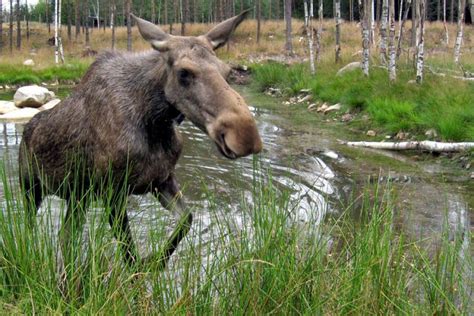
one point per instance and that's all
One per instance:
(121, 121)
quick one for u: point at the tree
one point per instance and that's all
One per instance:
(69, 19)
(77, 17)
(129, 25)
(308, 19)
(319, 34)
(259, 16)
(27, 18)
(365, 17)
(338, 30)
(420, 54)
(112, 22)
(446, 33)
(10, 30)
(1, 26)
(18, 25)
(58, 52)
(402, 24)
(47, 16)
(391, 43)
(289, 40)
(383, 33)
(459, 33)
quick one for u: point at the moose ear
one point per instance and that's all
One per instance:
(152, 33)
(220, 34)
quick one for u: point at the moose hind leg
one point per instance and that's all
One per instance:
(171, 198)
(118, 220)
(33, 193)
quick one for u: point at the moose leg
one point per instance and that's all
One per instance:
(170, 197)
(118, 221)
(31, 186)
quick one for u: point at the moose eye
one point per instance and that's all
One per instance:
(185, 77)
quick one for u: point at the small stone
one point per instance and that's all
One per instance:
(305, 98)
(371, 133)
(312, 107)
(388, 137)
(335, 107)
(401, 135)
(347, 117)
(29, 63)
(431, 133)
(468, 166)
(287, 103)
(472, 175)
(322, 108)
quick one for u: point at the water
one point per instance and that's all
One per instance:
(315, 180)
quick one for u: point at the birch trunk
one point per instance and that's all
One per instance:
(459, 35)
(338, 30)
(427, 145)
(18, 25)
(391, 45)
(112, 22)
(60, 41)
(308, 11)
(420, 56)
(129, 24)
(383, 33)
(365, 36)
(446, 33)
(319, 34)
(289, 41)
(372, 22)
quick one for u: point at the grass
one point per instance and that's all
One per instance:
(443, 104)
(271, 264)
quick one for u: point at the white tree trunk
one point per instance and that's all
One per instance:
(58, 46)
(320, 31)
(308, 12)
(365, 36)
(383, 33)
(338, 30)
(402, 24)
(422, 145)
(446, 33)
(459, 35)
(391, 45)
(372, 22)
(420, 56)
(60, 41)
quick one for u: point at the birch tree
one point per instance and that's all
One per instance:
(420, 54)
(289, 39)
(459, 33)
(391, 45)
(338, 30)
(383, 33)
(319, 34)
(308, 13)
(113, 9)
(58, 52)
(365, 13)
(446, 33)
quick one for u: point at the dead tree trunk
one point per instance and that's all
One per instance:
(383, 33)
(18, 25)
(78, 18)
(391, 43)
(308, 12)
(365, 36)
(289, 39)
(259, 17)
(338, 30)
(402, 25)
(459, 33)
(129, 24)
(319, 34)
(420, 55)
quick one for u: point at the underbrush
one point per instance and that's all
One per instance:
(268, 263)
(442, 103)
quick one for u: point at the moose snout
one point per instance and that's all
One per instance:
(236, 135)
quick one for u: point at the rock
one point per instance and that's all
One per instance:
(347, 117)
(472, 175)
(29, 62)
(305, 98)
(349, 67)
(371, 133)
(431, 133)
(305, 91)
(331, 154)
(7, 106)
(32, 96)
(274, 92)
(312, 107)
(322, 108)
(24, 114)
(402, 135)
(335, 107)
(51, 104)
(411, 82)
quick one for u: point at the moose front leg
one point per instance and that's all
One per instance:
(171, 198)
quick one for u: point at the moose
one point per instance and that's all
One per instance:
(122, 121)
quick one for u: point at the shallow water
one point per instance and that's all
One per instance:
(302, 163)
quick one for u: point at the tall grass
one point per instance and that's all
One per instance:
(14, 74)
(443, 104)
(271, 264)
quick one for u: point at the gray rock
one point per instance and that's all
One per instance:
(7, 106)
(32, 96)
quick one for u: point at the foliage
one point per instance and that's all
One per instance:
(443, 104)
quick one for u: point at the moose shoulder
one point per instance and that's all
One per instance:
(121, 120)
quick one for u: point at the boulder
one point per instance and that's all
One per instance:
(29, 62)
(349, 67)
(51, 104)
(7, 106)
(32, 96)
(371, 133)
(20, 114)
